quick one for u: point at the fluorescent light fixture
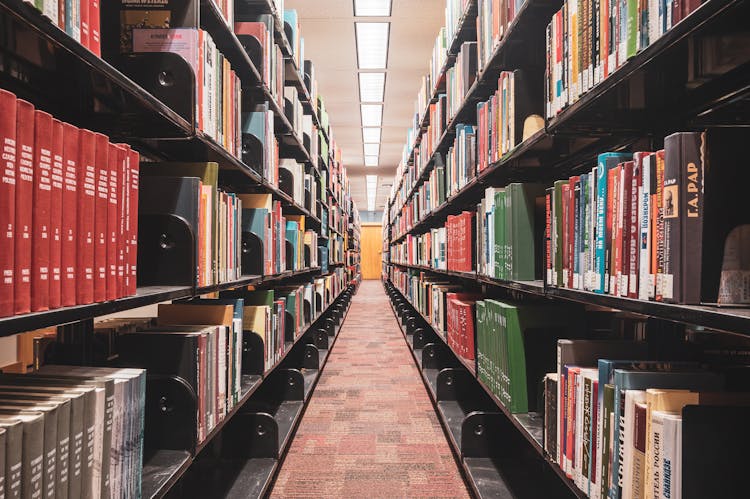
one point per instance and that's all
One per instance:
(370, 135)
(372, 8)
(372, 190)
(372, 87)
(371, 161)
(372, 115)
(372, 149)
(372, 45)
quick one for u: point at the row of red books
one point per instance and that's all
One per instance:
(460, 324)
(460, 242)
(68, 212)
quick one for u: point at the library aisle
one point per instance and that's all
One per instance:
(370, 429)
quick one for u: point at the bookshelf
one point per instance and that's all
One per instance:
(659, 89)
(147, 101)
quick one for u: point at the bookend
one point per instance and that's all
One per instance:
(171, 406)
(165, 75)
(253, 49)
(252, 152)
(286, 182)
(308, 257)
(289, 111)
(307, 311)
(265, 422)
(437, 356)
(423, 336)
(252, 353)
(166, 250)
(311, 357)
(289, 247)
(251, 260)
(290, 333)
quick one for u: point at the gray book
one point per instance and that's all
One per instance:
(49, 464)
(32, 452)
(129, 412)
(63, 404)
(100, 479)
(642, 380)
(82, 421)
(13, 457)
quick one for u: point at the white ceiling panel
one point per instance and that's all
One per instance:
(328, 29)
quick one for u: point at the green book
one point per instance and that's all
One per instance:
(481, 342)
(499, 220)
(508, 252)
(524, 251)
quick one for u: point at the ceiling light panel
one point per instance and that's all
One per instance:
(370, 135)
(372, 189)
(371, 87)
(372, 149)
(372, 115)
(371, 160)
(373, 8)
(372, 45)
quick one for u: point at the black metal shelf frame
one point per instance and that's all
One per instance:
(164, 468)
(729, 319)
(485, 481)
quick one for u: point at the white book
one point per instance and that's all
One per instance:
(645, 278)
(671, 456)
(632, 397)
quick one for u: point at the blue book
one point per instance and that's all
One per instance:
(606, 162)
(642, 380)
(292, 235)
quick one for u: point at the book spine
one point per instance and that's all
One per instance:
(8, 175)
(132, 249)
(632, 253)
(85, 222)
(71, 145)
(24, 205)
(626, 182)
(56, 197)
(100, 217)
(645, 275)
(123, 162)
(112, 222)
(40, 256)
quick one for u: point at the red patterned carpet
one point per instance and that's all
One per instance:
(370, 429)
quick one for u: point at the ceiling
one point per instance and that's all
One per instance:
(328, 29)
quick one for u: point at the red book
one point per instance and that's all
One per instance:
(24, 205)
(112, 225)
(40, 248)
(571, 231)
(123, 155)
(55, 221)
(132, 250)
(570, 427)
(565, 202)
(100, 217)
(611, 228)
(7, 200)
(85, 217)
(83, 13)
(635, 230)
(95, 42)
(623, 228)
(71, 154)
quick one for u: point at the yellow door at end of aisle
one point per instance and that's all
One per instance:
(372, 250)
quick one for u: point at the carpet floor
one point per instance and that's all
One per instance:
(370, 429)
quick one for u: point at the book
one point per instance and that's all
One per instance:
(85, 218)
(8, 114)
(23, 208)
(41, 217)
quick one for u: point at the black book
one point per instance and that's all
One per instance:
(550, 414)
(33, 400)
(32, 452)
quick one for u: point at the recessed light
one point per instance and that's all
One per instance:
(372, 115)
(371, 161)
(370, 135)
(372, 149)
(373, 8)
(372, 45)
(372, 87)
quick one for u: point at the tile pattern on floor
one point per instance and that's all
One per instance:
(370, 429)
